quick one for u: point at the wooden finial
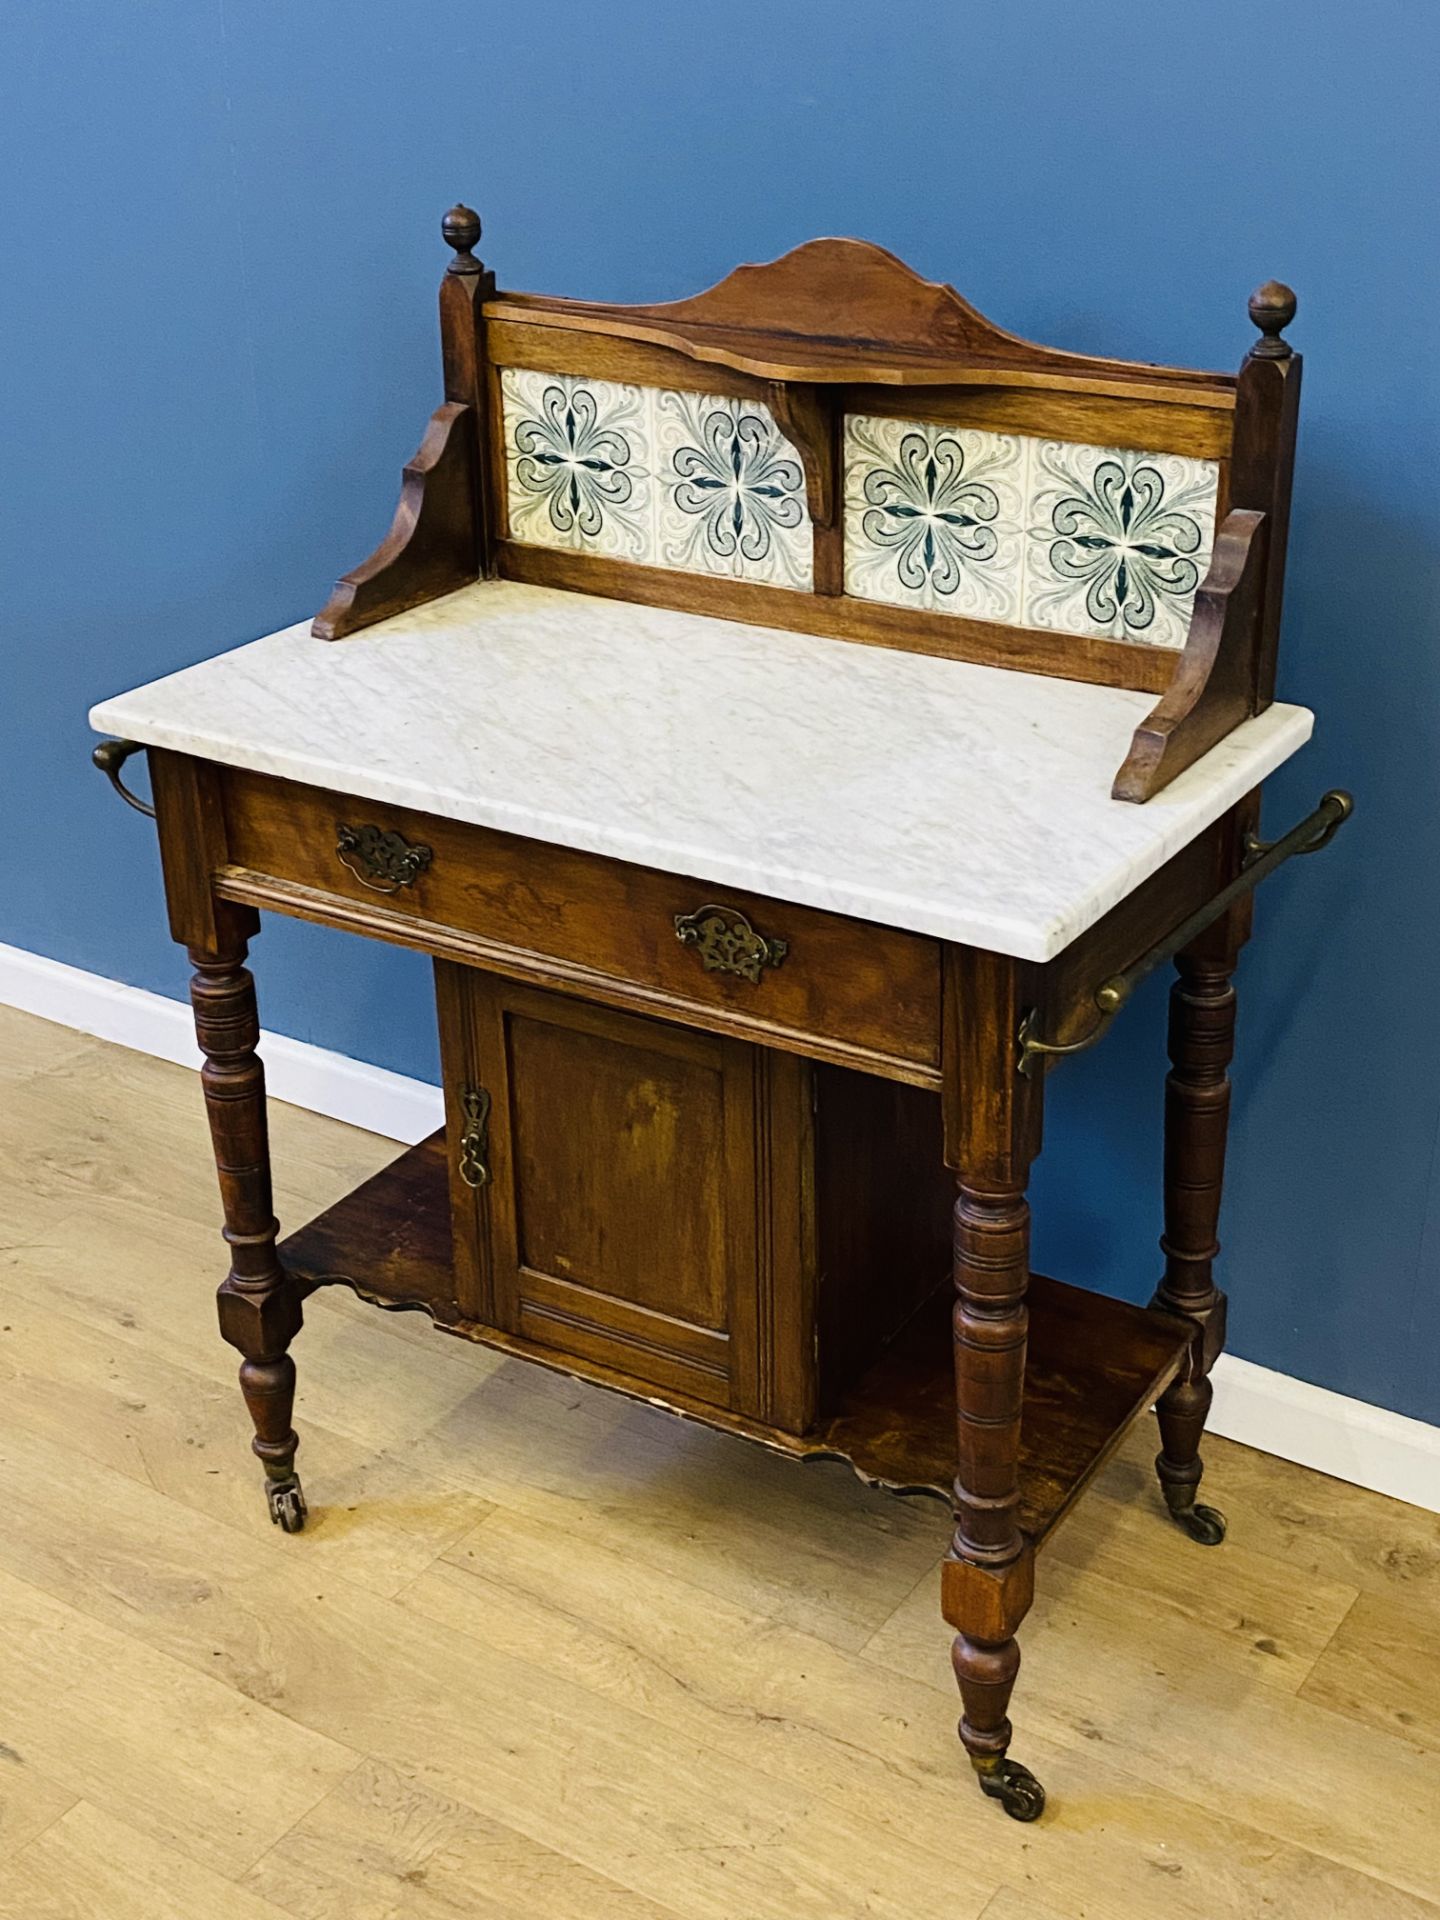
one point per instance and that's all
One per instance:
(461, 228)
(1272, 308)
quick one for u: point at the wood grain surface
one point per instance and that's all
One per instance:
(544, 1652)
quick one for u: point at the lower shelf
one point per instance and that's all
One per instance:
(1093, 1363)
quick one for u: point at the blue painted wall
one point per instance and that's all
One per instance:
(219, 258)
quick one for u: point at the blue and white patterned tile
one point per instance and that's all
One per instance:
(578, 467)
(934, 516)
(1117, 542)
(730, 493)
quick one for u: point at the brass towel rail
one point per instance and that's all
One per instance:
(110, 756)
(1312, 833)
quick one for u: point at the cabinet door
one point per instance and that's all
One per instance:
(643, 1193)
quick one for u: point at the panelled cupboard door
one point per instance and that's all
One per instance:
(632, 1193)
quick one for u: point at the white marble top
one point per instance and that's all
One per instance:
(956, 800)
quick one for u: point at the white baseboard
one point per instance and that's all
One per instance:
(304, 1075)
(1349, 1439)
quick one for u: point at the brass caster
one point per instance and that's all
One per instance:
(1015, 1787)
(287, 1503)
(1205, 1524)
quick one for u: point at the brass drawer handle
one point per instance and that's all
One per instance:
(727, 943)
(474, 1138)
(383, 861)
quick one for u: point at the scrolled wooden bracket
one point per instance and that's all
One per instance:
(807, 417)
(431, 546)
(1213, 688)
(810, 418)
(441, 535)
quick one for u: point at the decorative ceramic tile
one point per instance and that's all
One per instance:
(577, 463)
(933, 516)
(1033, 533)
(693, 481)
(731, 491)
(1117, 542)
(1001, 527)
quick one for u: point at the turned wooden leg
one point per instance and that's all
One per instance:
(259, 1305)
(988, 1577)
(992, 1116)
(1197, 1113)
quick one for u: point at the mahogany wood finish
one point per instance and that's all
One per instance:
(1267, 409)
(881, 1233)
(697, 1215)
(812, 416)
(258, 1301)
(808, 417)
(1227, 670)
(441, 535)
(783, 320)
(430, 548)
(190, 822)
(1066, 988)
(811, 420)
(992, 1133)
(1213, 688)
(1097, 420)
(466, 286)
(840, 325)
(628, 1167)
(701, 1204)
(1093, 1365)
(258, 1304)
(732, 1196)
(551, 914)
(1197, 1117)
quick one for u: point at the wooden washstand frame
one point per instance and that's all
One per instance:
(1009, 1418)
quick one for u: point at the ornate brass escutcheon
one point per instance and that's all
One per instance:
(474, 1138)
(727, 943)
(384, 861)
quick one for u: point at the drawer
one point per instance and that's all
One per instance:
(870, 995)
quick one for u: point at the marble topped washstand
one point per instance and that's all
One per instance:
(788, 744)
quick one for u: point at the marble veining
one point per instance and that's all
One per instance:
(952, 799)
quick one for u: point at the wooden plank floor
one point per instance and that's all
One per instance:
(544, 1653)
